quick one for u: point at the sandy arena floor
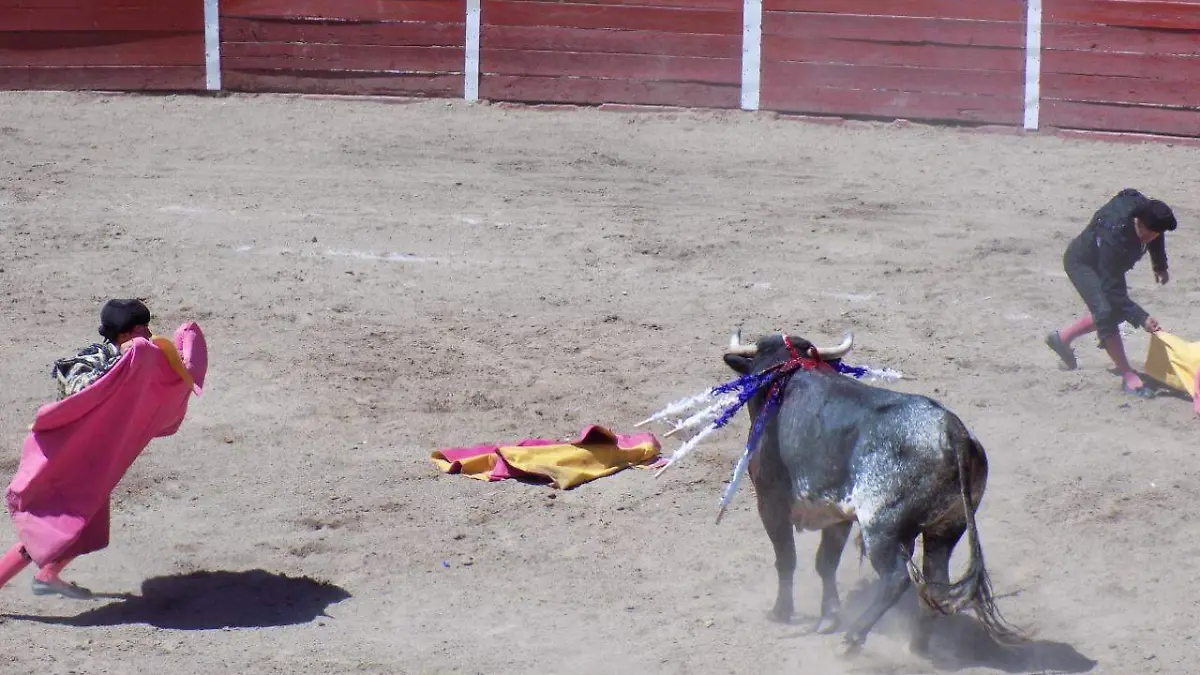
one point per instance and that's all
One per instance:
(378, 280)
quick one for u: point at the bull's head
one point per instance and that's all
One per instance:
(771, 350)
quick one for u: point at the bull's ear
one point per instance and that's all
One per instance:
(739, 364)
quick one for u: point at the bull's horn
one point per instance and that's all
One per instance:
(833, 353)
(737, 348)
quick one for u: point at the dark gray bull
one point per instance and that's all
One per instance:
(839, 451)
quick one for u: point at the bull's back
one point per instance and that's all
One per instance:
(851, 450)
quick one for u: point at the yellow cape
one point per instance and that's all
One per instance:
(1173, 361)
(597, 453)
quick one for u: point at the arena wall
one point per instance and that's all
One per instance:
(1121, 66)
(416, 47)
(140, 45)
(656, 52)
(941, 60)
(1106, 65)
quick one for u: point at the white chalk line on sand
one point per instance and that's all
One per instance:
(852, 297)
(387, 257)
(334, 253)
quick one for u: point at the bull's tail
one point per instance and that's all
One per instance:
(974, 590)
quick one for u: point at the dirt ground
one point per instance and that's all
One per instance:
(379, 280)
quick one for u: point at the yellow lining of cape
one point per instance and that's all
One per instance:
(1173, 361)
(168, 349)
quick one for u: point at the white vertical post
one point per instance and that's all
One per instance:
(751, 53)
(471, 68)
(1033, 63)
(212, 45)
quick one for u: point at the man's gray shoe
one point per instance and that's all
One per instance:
(67, 590)
(1054, 342)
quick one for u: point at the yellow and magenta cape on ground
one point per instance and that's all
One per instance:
(597, 452)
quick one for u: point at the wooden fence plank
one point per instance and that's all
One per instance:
(667, 20)
(1110, 117)
(548, 38)
(631, 67)
(109, 48)
(95, 18)
(449, 11)
(993, 10)
(106, 78)
(1057, 86)
(892, 30)
(312, 57)
(79, 4)
(1150, 66)
(1144, 14)
(334, 82)
(892, 104)
(415, 34)
(594, 91)
(815, 50)
(727, 5)
(1081, 37)
(800, 76)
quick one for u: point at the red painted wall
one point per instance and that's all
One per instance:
(408, 47)
(1112, 65)
(666, 52)
(1121, 66)
(950, 60)
(133, 45)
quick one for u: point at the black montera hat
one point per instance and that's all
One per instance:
(120, 316)
(1157, 216)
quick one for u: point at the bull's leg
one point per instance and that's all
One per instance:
(829, 554)
(774, 508)
(889, 556)
(936, 569)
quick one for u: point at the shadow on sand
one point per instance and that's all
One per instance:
(960, 641)
(211, 600)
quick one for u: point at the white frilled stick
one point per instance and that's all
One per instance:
(709, 414)
(686, 448)
(883, 374)
(738, 472)
(679, 406)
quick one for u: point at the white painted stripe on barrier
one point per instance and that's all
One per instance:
(471, 68)
(751, 53)
(1033, 63)
(212, 45)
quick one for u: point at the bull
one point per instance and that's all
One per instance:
(838, 451)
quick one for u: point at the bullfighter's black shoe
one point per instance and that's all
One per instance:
(1054, 342)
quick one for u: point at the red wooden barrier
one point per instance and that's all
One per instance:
(666, 52)
(921, 59)
(101, 44)
(405, 47)
(1121, 66)
(1106, 65)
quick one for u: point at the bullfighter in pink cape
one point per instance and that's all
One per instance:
(114, 398)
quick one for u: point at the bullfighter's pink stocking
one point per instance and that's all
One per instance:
(1196, 398)
(1116, 351)
(1080, 327)
(12, 562)
(50, 572)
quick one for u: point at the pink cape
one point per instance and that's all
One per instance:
(79, 448)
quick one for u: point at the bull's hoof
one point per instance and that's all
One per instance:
(778, 615)
(849, 648)
(828, 624)
(919, 645)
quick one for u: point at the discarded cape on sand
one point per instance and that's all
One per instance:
(596, 453)
(79, 448)
(1174, 361)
